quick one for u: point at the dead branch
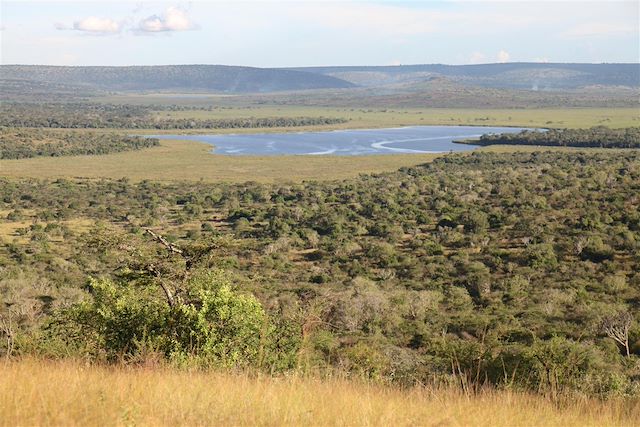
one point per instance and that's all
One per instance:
(7, 328)
(170, 246)
(167, 292)
(617, 327)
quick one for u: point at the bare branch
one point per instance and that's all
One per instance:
(617, 327)
(167, 292)
(170, 246)
(7, 328)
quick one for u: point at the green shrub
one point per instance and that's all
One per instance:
(209, 324)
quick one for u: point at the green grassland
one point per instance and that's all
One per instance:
(176, 160)
(188, 160)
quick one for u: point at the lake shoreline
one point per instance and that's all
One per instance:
(432, 139)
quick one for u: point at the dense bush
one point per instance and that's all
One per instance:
(479, 268)
(24, 143)
(98, 116)
(210, 324)
(599, 136)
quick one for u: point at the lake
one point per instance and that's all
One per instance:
(358, 142)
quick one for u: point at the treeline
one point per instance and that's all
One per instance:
(517, 270)
(97, 116)
(17, 143)
(251, 122)
(598, 136)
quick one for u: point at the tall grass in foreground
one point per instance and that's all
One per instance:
(35, 392)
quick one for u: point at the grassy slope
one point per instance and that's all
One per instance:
(177, 160)
(363, 118)
(67, 393)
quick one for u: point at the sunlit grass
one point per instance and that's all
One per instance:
(193, 161)
(34, 392)
(188, 160)
(375, 118)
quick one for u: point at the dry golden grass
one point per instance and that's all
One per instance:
(370, 118)
(190, 160)
(9, 229)
(34, 392)
(385, 117)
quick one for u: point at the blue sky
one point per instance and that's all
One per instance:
(306, 33)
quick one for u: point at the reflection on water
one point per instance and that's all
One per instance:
(412, 139)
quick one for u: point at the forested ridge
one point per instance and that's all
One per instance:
(211, 78)
(518, 270)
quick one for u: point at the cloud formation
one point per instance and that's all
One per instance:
(273, 33)
(477, 58)
(480, 58)
(503, 56)
(173, 19)
(93, 25)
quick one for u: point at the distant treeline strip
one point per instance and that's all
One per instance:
(95, 116)
(252, 122)
(26, 143)
(599, 136)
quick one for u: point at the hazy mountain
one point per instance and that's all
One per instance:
(419, 83)
(521, 75)
(210, 78)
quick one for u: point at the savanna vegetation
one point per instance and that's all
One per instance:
(159, 284)
(157, 112)
(77, 394)
(96, 116)
(19, 143)
(510, 270)
(600, 136)
(297, 288)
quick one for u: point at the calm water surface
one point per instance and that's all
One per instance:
(407, 140)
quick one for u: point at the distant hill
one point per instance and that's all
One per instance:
(209, 78)
(517, 75)
(511, 85)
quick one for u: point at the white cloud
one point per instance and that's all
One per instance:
(477, 58)
(173, 19)
(503, 56)
(93, 24)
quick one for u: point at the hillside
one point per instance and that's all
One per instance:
(452, 272)
(189, 78)
(517, 75)
(512, 85)
(446, 92)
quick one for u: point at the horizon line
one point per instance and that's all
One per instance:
(328, 66)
